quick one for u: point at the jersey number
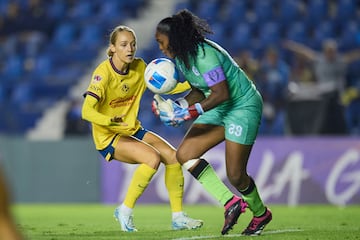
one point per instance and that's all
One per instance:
(235, 130)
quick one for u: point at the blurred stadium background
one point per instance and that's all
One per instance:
(50, 48)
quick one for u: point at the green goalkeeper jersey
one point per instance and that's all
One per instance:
(213, 64)
(241, 113)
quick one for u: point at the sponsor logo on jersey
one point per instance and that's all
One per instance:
(97, 78)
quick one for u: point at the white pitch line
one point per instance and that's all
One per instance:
(238, 235)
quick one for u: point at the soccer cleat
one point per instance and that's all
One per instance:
(126, 222)
(234, 208)
(258, 224)
(184, 222)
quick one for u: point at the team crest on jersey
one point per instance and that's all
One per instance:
(125, 88)
(97, 78)
(195, 71)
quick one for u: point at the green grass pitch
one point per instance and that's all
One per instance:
(95, 221)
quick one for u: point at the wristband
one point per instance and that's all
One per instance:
(195, 110)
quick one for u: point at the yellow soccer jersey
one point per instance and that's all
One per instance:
(117, 93)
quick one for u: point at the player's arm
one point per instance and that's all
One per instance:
(194, 96)
(219, 94)
(89, 113)
(300, 49)
(352, 56)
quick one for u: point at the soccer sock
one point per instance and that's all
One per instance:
(125, 210)
(207, 176)
(138, 184)
(174, 181)
(252, 197)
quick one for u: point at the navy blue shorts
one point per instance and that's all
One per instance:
(108, 152)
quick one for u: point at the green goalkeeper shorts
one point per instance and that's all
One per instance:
(241, 121)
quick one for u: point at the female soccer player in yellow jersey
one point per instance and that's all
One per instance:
(111, 104)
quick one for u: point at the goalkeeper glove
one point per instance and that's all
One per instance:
(174, 113)
(180, 114)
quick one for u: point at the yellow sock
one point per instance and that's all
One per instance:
(138, 184)
(174, 181)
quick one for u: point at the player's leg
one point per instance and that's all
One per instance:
(132, 150)
(242, 126)
(237, 156)
(204, 137)
(174, 182)
(8, 229)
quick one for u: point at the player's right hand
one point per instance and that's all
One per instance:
(159, 104)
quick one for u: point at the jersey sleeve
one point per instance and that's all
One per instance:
(210, 67)
(180, 87)
(96, 87)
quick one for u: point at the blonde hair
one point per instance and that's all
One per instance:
(113, 37)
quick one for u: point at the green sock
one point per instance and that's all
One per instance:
(252, 197)
(213, 184)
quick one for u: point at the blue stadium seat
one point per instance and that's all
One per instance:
(81, 10)
(56, 9)
(3, 96)
(89, 36)
(348, 36)
(234, 12)
(23, 93)
(264, 11)
(345, 11)
(183, 5)
(289, 11)
(241, 37)
(110, 13)
(316, 11)
(42, 66)
(13, 68)
(220, 34)
(321, 32)
(63, 36)
(3, 7)
(74, 41)
(208, 10)
(269, 34)
(297, 32)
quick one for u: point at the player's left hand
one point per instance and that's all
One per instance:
(180, 114)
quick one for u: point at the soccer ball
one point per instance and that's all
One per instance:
(161, 75)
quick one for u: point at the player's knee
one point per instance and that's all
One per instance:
(153, 160)
(180, 156)
(184, 154)
(169, 157)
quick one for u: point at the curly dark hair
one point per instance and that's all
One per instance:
(185, 32)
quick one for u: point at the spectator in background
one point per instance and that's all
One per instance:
(330, 75)
(301, 72)
(37, 27)
(351, 100)
(272, 82)
(10, 25)
(247, 63)
(24, 30)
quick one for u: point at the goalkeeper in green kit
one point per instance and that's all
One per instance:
(226, 107)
